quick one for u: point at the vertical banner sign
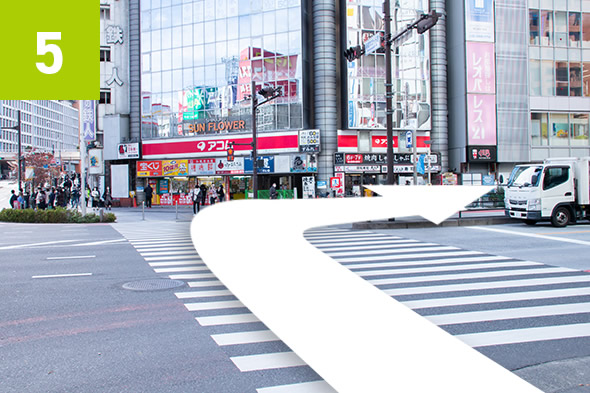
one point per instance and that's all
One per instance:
(49, 50)
(308, 187)
(88, 120)
(480, 73)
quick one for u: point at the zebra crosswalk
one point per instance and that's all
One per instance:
(487, 301)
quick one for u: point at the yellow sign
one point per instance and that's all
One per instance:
(175, 168)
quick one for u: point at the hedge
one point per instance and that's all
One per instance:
(58, 215)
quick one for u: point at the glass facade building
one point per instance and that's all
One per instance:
(198, 59)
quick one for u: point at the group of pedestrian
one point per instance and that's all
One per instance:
(200, 194)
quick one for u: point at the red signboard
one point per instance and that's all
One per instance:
(149, 168)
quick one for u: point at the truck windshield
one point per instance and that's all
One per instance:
(525, 176)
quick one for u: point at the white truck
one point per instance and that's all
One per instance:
(557, 190)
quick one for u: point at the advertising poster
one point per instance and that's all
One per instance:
(481, 119)
(308, 187)
(127, 151)
(225, 167)
(175, 168)
(201, 167)
(479, 20)
(88, 116)
(95, 162)
(481, 74)
(266, 164)
(299, 163)
(149, 168)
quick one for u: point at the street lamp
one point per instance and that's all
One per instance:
(17, 127)
(422, 24)
(269, 93)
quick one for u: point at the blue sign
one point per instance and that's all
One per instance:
(267, 164)
(409, 139)
(322, 184)
(350, 114)
(487, 180)
(420, 164)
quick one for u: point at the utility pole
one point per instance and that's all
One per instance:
(254, 102)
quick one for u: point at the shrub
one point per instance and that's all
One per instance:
(58, 215)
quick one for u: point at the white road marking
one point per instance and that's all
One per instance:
(36, 244)
(240, 338)
(444, 268)
(169, 252)
(179, 246)
(509, 313)
(213, 305)
(201, 294)
(537, 236)
(305, 387)
(486, 285)
(348, 244)
(267, 361)
(207, 283)
(182, 269)
(385, 245)
(175, 263)
(411, 249)
(72, 257)
(63, 275)
(191, 276)
(503, 337)
(419, 256)
(497, 298)
(440, 261)
(98, 243)
(170, 258)
(227, 319)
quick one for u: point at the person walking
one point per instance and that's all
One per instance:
(51, 202)
(149, 192)
(108, 199)
(196, 198)
(221, 193)
(272, 193)
(13, 199)
(60, 198)
(75, 202)
(20, 201)
(41, 199)
(212, 194)
(203, 194)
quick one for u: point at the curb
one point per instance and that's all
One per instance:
(461, 222)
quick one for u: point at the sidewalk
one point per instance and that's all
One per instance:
(462, 218)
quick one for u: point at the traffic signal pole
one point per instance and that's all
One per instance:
(388, 91)
(253, 101)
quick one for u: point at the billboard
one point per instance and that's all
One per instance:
(481, 119)
(481, 71)
(479, 20)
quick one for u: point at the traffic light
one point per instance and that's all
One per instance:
(427, 21)
(269, 92)
(230, 153)
(353, 53)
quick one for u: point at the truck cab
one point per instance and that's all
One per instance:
(556, 191)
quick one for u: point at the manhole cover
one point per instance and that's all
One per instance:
(152, 285)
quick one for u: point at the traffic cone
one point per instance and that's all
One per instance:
(134, 203)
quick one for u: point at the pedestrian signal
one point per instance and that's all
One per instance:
(230, 154)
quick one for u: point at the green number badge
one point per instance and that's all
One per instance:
(50, 50)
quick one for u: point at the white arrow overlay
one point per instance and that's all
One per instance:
(352, 334)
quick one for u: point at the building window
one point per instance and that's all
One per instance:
(561, 78)
(586, 30)
(574, 29)
(586, 79)
(534, 27)
(559, 129)
(547, 86)
(546, 28)
(105, 12)
(535, 79)
(105, 54)
(105, 96)
(561, 28)
(575, 79)
(579, 129)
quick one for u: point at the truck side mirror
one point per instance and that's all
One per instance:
(501, 179)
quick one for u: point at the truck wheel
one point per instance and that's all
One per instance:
(560, 217)
(530, 222)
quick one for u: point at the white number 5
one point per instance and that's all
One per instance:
(43, 48)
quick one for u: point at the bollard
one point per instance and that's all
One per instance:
(101, 215)
(176, 210)
(143, 211)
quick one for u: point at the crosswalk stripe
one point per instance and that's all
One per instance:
(174, 263)
(200, 294)
(419, 256)
(360, 243)
(304, 387)
(267, 361)
(240, 338)
(466, 276)
(516, 336)
(509, 313)
(207, 283)
(385, 245)
(356, 238)
(191, 276)
(168, 252)
(144, 240)
(485, 285)
(426, 262)
(443, 268)
(164, 258)
(227, 319)
(412, 249)
(182, 269)
(203, 306)
(496, 298)
(347, 235)
(169, 247)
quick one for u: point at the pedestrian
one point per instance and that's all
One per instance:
(203, 194)
(108, 199)
(75, 197)
(95, 197)
(33, 200)
(26, 198)
(221, 193)
(13, 199)
(20, 201)
(196, 198)
(51, 202)
(87, 196)
(41, 199)
(60, 198)
(272, 192)
(148, 195)
(212, 194)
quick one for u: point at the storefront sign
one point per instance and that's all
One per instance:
(340, 188)
(175, 199)
(334, 182)
(373, 158)
(481, 117)
(322, 184)
(479, 20)
(362, 168)
(149, 168)
(299, 163)
(225, 167)
(175, 168)
(308, 187)
(95, 162)
(481, 76)
(339, 158)
(266, 164)
(216, 146)
(201, 166)
(128, 150)
(309, 141)
(88, 120)
(481, 153)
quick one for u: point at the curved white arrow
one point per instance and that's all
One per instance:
(352, 334)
